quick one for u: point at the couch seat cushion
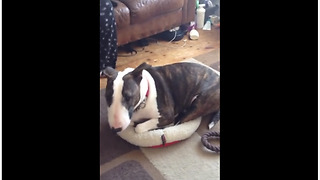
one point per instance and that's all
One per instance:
(142, 10)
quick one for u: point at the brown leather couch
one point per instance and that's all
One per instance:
(138, 19)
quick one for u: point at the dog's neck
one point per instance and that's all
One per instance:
(142, 102)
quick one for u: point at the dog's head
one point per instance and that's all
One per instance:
(124, 92)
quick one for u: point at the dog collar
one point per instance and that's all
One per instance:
(147, 93)
(143, 103)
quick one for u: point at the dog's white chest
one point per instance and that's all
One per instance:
(150, 111)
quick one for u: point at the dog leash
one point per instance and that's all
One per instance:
(205, 142)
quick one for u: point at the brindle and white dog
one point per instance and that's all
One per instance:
(155, 97)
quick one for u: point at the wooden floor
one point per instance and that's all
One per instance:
(160, 52)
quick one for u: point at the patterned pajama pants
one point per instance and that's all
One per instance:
(108, 36)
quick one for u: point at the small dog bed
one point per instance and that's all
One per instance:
(160, 137)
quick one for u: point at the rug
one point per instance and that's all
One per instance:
(189, 159)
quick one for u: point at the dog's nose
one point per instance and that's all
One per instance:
(116, 130)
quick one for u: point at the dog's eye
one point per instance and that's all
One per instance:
(126, 98)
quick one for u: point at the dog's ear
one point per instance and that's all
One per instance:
(110, 73)
(141, 67)
(137, 72)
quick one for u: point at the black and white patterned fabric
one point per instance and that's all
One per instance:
(108, 35)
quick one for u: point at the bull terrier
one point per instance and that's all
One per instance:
(156, 97)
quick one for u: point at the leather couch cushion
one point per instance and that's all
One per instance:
(149, 27)
(142, 10)
(122, 15)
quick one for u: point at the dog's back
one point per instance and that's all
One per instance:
(182, 85)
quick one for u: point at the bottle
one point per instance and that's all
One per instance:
(200, 16)
(195, 17)
(194, 34)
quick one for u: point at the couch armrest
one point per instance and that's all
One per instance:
(188, 11)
